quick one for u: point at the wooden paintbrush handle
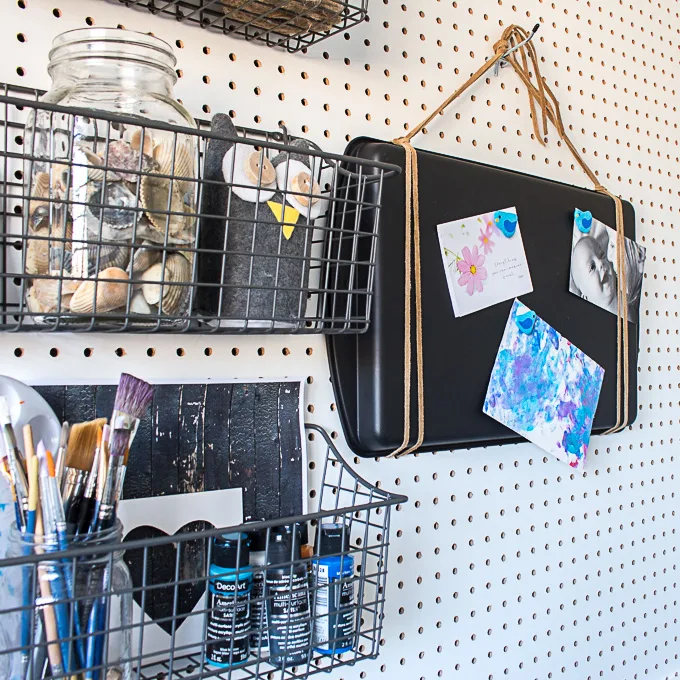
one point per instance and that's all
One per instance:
(50, 621)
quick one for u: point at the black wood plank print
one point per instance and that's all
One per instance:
(201, 437)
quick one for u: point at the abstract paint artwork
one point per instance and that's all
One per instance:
(543, 387)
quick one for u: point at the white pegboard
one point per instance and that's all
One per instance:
(504, 563)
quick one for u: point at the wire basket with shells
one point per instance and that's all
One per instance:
(110, 223)
(111, 220)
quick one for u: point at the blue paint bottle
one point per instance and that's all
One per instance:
(229, 586)
(335, 612)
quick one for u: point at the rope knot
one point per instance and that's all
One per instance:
(400, 141)
(502, 46)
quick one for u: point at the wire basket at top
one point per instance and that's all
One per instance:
(303, 619)
(290, 24)
(110, 223)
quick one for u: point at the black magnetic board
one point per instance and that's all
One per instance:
(367, 370)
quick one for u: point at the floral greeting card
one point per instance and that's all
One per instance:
(484, 260)
(543, 387)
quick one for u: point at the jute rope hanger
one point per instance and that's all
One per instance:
(515, 48)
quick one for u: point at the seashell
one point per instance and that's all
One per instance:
(136, 140)
(109, 256)
(151, 288)
(118, 211)
(176, 296)
(158, 280)
(110, 294)
(95, 174)
(40, 245)
(180, 166)
(126, 161)
(50, 295)
(154, 197)
(39, 189)
(37, 257)
(145, 257)
(138, 304)
(60, 180)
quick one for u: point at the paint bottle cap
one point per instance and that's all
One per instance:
(226, 552)
(332, 539)
(282, 547)
(258, 540)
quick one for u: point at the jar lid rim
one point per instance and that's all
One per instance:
(81, 36)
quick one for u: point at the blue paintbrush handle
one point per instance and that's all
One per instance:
(80, 648)
(27, 614)
(62, 616)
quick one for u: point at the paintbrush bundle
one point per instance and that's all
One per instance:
(72, 500)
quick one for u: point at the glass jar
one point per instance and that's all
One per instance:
(36, 614)
(110, 210)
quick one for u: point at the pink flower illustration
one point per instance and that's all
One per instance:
(471, 270)
(485, 239)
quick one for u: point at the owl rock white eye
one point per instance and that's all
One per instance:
(242, 167)
(296, 178)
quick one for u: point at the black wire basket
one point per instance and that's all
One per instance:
(290, 24)
(112, 223)
(300, 621)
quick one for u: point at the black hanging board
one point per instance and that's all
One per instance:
(367, 370)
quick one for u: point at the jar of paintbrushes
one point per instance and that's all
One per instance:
(73, 613)
(76, 612)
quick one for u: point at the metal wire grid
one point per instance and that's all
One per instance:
(363, 509)
(240, 280)
(290, 24)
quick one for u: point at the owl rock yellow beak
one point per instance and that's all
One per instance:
(286, 215)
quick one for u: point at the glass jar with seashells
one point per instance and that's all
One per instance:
(111, 187)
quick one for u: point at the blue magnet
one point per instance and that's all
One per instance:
(506, 222)
(584, 220)
(526, 322)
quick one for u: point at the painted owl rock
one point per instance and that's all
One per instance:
(257, 226)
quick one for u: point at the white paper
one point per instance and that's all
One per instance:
(483, 266)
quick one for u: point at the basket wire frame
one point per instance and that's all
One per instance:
(269, 21)
(363, 509)
(324, 286)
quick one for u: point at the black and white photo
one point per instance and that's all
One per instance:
(594, 272)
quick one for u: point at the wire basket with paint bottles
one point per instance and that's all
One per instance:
(288, 597)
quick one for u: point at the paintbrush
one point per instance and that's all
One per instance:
(61, 453)
(27, 613)
(87, 504)
(56, 583)
(49, 616)
(105, 510)
(133, 397)
(79, 456)
(14, 464)
(58, 525)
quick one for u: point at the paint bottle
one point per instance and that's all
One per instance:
(229, 587)
(259, 631)
(287, 587)
(334, 615)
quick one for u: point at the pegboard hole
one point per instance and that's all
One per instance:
(234, 351)
(56, 11)
(260, 351)
(120, 352)
(54, 352)
(88, 352)
(151, 352)
(285, 351)
(21, 37)
(89, 21)
(208, 351)
(18, 352)
(309, 351)
(21, 71)
(180, 351)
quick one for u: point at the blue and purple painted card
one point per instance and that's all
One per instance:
(543, 387)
